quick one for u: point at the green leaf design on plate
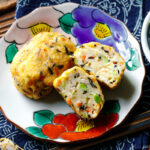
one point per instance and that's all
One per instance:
(36, 132)
(43, 117)
(111, 106)
(133, 63)
(11, 52)
(66, 22)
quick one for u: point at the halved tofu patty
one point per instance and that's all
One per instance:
(81, 91)
(102, 61)
(40, 61)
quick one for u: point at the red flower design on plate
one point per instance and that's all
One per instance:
(71, 127)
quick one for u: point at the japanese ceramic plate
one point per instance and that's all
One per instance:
(51, 118)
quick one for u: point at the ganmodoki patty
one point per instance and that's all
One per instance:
(102, 61)
(81, 91)
(40, 61)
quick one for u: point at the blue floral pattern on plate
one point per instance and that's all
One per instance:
(115, 34)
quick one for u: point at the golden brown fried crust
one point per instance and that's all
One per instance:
(40, 61)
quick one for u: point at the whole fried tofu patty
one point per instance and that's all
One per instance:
(81, 91)
(40, 61)
(102, 61)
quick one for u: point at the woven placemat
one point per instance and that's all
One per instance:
(7, 4)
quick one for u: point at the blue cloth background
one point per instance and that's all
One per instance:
(132, 13)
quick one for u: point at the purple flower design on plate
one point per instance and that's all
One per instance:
(95, 25)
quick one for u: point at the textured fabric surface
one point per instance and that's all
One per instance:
(132, 13)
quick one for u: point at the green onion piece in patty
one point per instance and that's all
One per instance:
(97, 98)
(83, 86)
(104, 59)
(76, 61)
(63, 84)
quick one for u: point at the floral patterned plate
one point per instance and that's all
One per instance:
(51, 118)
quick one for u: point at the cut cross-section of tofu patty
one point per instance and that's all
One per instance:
(81, 91)
(102, 61)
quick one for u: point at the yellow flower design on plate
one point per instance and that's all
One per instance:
(83, 125)
(101, 31)
(40, 27)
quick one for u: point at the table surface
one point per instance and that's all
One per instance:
(134, 123)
